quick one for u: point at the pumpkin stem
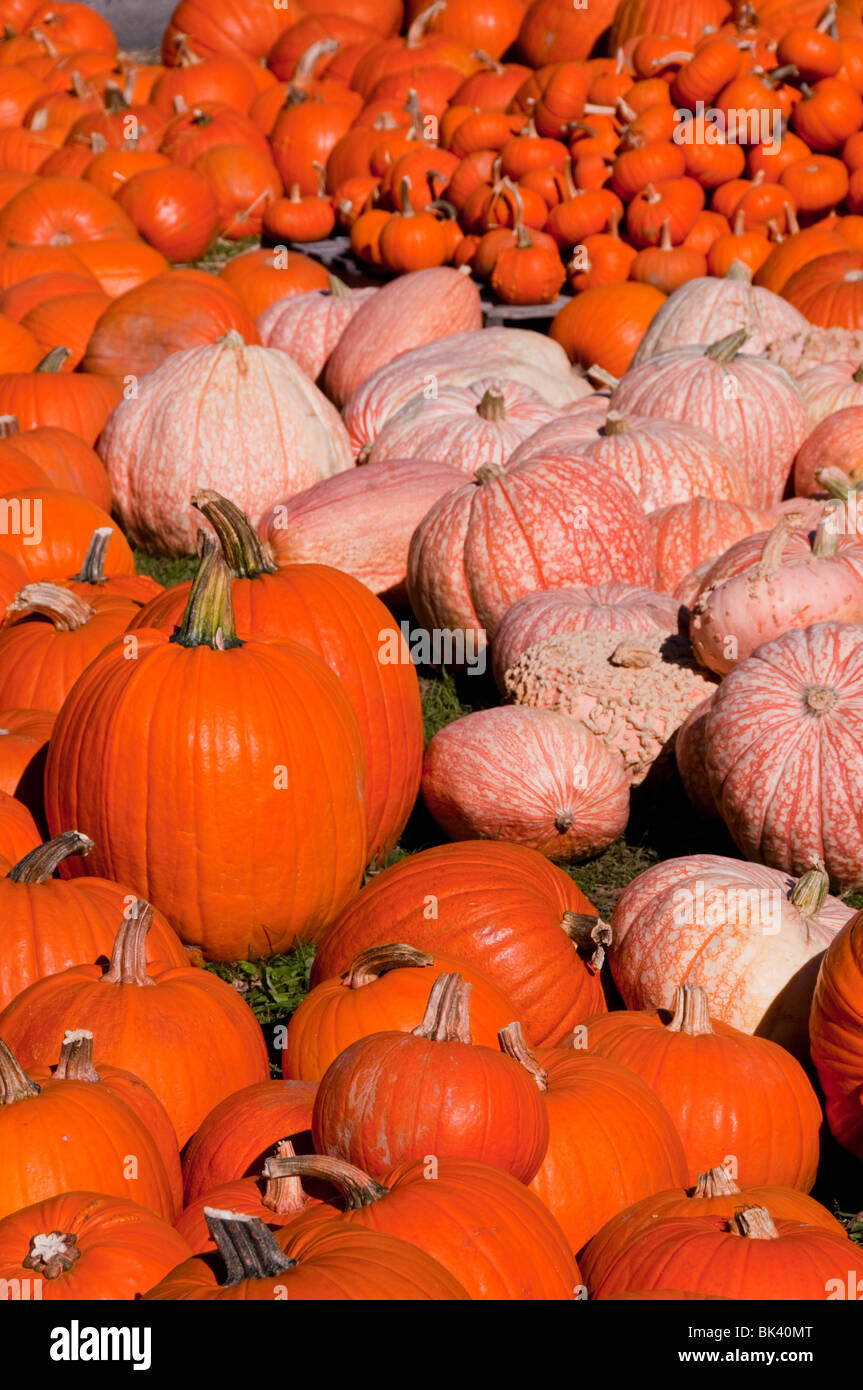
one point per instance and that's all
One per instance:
(8, 426)
(739, 270)
(858, 375)
(589, 935)
(41, 863)
(52, 1254)
(308, 59)
(283, 1193)
(76, 1057)
(208, 620)
(493, 405)
(826, 539)
(819, 699)
(53, 360)
(447, 1015)
(715, 1183)
(67, 610)
(512, 1044)
(791, 219)
(92, 570)
(691, 1012)
(14, 1085)
(487, 472)
(355, 1187)
(770, 561)
(754, 1222)
(615, 423)
(836, 483)
(633, 654)
(726, 349)
(597, 373)
(338, 288)
(417, 31)
(375, 961)
(810, 890)
(241, 546)
(248, 1249)
(129, 954)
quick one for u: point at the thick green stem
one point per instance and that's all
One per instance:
(208, 620)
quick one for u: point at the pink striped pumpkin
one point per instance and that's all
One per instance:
(465, 426)
(689, 533)
(543, 525)
(784, 744)
(514, 354)
(360, 521)
(741, 932)
(749, 404)
(830, 387)
(528, 776)
(587, 608)
(407, 313)
(772, 582)
(689, 753)
(308, 326)
(708, 308)
(572, 426)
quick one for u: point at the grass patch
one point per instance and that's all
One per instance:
(165, 569)
(441, 703)
(272, 988)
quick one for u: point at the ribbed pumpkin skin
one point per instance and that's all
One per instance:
(39, 664)
(541, 525)
(360, 521)
(219, 1046)
(413, 310)
(335, 1015)
(76, 1136)
(50, 926)
(334, 616)
(18, 830)
(783, 752)
(69, 207)
(392, 1098)
(724, 1090)
(279, 436)
(594, 607)
(24, 738)
(70, 464)
(634, 17)
(498, 907)
(482, 1225)
(172, 312)
(309, 326)
(699, 1253)
(688, 533)
(515, 354)
(237, 1135)
(334, 1264)
(749, 404)
(450, 427)
(828, 388)
(701, 920)
(623, 1230)
(827, 290)
(705, 309)
(67, 524)
(123, 1247)
(610, 1142)
(834, 443)
(529, 777)
(835, 1034)
(271, 798)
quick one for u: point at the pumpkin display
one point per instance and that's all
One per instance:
(393, 1096)
(492, 905)
(715, 1083)
(532, 777)
(286, 786)
(282, 435)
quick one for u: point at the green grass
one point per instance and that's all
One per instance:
(272, 988)
(164, 570)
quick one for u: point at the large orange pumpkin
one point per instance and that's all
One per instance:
(836, 1033)
(603, 326)
(272, 802)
